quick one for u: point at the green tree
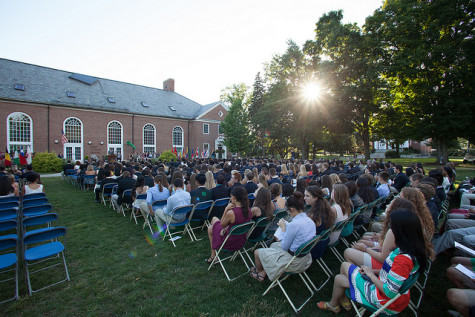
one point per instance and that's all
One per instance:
(428, 56)
(235, 126)
(255, 113)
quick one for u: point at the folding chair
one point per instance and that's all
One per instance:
(157, 204)
(277, 216)
(107, 192)
(126, 196)
(33, 196)
(8, 260)
(113, 192)
(9, 199)
(71, 176)
(251, 198)
(262, 222)
(338, 228)
(181, 217)
(324, 235)
(421, 285)
(218, 203)
(303, 250)
(134, 209)
(7, 225)
(7, 214)
(408, 283)
(36, 210)
(9, 205)
(200, 214)
(39, 253)
(237, 230)
(45, 219)
(35, 202)
(88, 182)
(349, 229)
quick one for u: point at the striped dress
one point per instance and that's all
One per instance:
(396, 269)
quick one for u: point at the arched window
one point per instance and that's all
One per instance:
(177, 138)
(73, 149)
(19, 132)
(149, 138)
(114, 139)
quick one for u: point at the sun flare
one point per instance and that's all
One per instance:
(311, 91)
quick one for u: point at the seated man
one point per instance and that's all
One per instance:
(250, 186)
(178, 199)
(274, 178)
(383, 187)
(401, 179)
(126, 182)
(201, 193)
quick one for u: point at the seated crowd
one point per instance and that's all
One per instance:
(317, 196)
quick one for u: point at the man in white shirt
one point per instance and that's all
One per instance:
(178, 199)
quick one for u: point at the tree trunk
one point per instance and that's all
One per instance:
(365, 135)
(444, 153)
(397, 148)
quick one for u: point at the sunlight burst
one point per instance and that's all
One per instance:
(311, 91)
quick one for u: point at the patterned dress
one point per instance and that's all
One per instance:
(396, 269)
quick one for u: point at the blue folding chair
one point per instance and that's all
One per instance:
(9, 205)
(89, 181)
(42, 251)
(126, 197)
(7, 214)
(45, 219)
(9, 225)
(200, 214)
(135, 210)
(8, 260)
(157, 204)
(251, 198)
(8, 199)
(107, 192)
(35, 202)
(180, 218)
(36, 210)
(33, 196)
(220, 205)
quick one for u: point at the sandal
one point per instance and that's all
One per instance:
(209, 260)
(345, 303)
(326, 306)
(257, 276)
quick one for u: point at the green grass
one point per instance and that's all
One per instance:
(115, 271)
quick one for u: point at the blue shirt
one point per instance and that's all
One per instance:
(178, 199)
(299, 231)
(154, 194)
(383, 190)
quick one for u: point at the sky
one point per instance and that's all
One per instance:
(205, 45)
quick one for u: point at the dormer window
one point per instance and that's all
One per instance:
(70, 94)
(20, 87)
(220, 113)
(144, 104)
(111, 100)
(172, 108)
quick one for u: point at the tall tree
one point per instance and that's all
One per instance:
(255, 112)
(235, 126)
(429, 60)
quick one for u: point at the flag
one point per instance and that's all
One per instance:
(22, 157)
(8, 160)
(197, 152)
(16, 158)
(130, 143)
(64, 139)
(192, 153)
(28, 155)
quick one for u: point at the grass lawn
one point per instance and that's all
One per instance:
(117, 269)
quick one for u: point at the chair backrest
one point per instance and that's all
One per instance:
(8, 225)
(159, 203)
(35, 202)
(339, 226)
(251, 196)
(36, 210)
(261, 222)
(222, 202)
(108, 188)
(243, 228)
(33, 196)
(306, 247)
(127, 192)
(179, 213)
(7, 214)
(71, 172)
(141, 196)
(39, 219)
(9, 205)
(114, 189)
(7, 243)
(409, 282)
(280, 214)
(8, 199)
(204, 205)
(325, 234)
(44, 235)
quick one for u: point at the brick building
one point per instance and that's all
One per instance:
(99, 116)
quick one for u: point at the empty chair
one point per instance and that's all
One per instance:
(43, 249)
(36, 210)
(9, 262)
(9, 205)
(35, 202)
(7, 214)
(45, 219)
(8, 225)
(33, 196)
(8, 199)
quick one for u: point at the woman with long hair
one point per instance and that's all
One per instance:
(262, 181)
(262, 207)
(255, 171)
(301, 185)
(342, 207)
(303, 172)
(6, 186)
(237, 212)
(139, 188)
(327, 185)
(277, 200)
(210, 183)
(408, 258)
(33, 186)
(321, 213)
(272, 261)
(335, 179)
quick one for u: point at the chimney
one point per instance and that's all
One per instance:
(169, 84)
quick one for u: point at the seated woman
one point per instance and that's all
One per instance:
(33, 186)
(236, 213)
(278, 201)
(342, 207)
(7, 186)
(262, 207)
(326, 184)
(408, 258)
(321, 213)
(374, 248)
(271, 261)
(139, 188)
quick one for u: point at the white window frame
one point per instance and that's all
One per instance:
(16, 143)
(219, 129)
(178, 147)
(116, 146)
(154, 138)
(74, 145)
(206, 125)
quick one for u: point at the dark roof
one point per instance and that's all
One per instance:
(51, 86)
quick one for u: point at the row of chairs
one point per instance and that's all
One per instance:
(20, 242)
